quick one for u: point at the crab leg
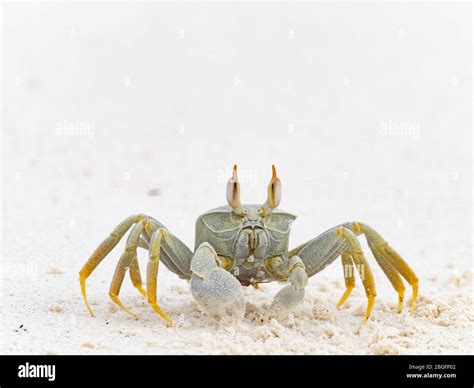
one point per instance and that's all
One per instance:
(389, 260)
(142, 243)
(135, 276)
(324, 249)
(102, 251)
(349, 279)
(362, 266)
(392, 275)
(134, 267)
(124, 263)
(152, 270)
(174, 254)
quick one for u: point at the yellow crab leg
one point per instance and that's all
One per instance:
(362, 267)
(388, 258)
(152, 271)
(135, 275)
(349, 279)
(102, 251)
(124, 263)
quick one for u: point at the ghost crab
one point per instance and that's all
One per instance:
(246, 245)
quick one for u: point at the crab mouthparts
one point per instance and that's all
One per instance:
(253, 243)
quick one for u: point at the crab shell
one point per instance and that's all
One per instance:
(246, 242)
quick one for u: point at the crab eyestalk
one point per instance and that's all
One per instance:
(233, 193)
(273, 195)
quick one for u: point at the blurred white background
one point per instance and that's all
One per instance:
(361, 107)
(114, 109)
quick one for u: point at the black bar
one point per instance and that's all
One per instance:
(264, 371)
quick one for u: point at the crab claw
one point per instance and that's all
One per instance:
(216, 291)
(220, 294)
(284, 302)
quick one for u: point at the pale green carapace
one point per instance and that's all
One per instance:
(240, 245)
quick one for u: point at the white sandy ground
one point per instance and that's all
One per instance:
(168, 124)
(64, 212)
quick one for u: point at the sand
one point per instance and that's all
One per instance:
(61, 224)
(99, 127)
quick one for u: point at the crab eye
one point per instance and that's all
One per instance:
(274, 192)
(273, 195)
(233, 193)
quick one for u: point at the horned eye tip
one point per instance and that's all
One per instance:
(234, 172)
